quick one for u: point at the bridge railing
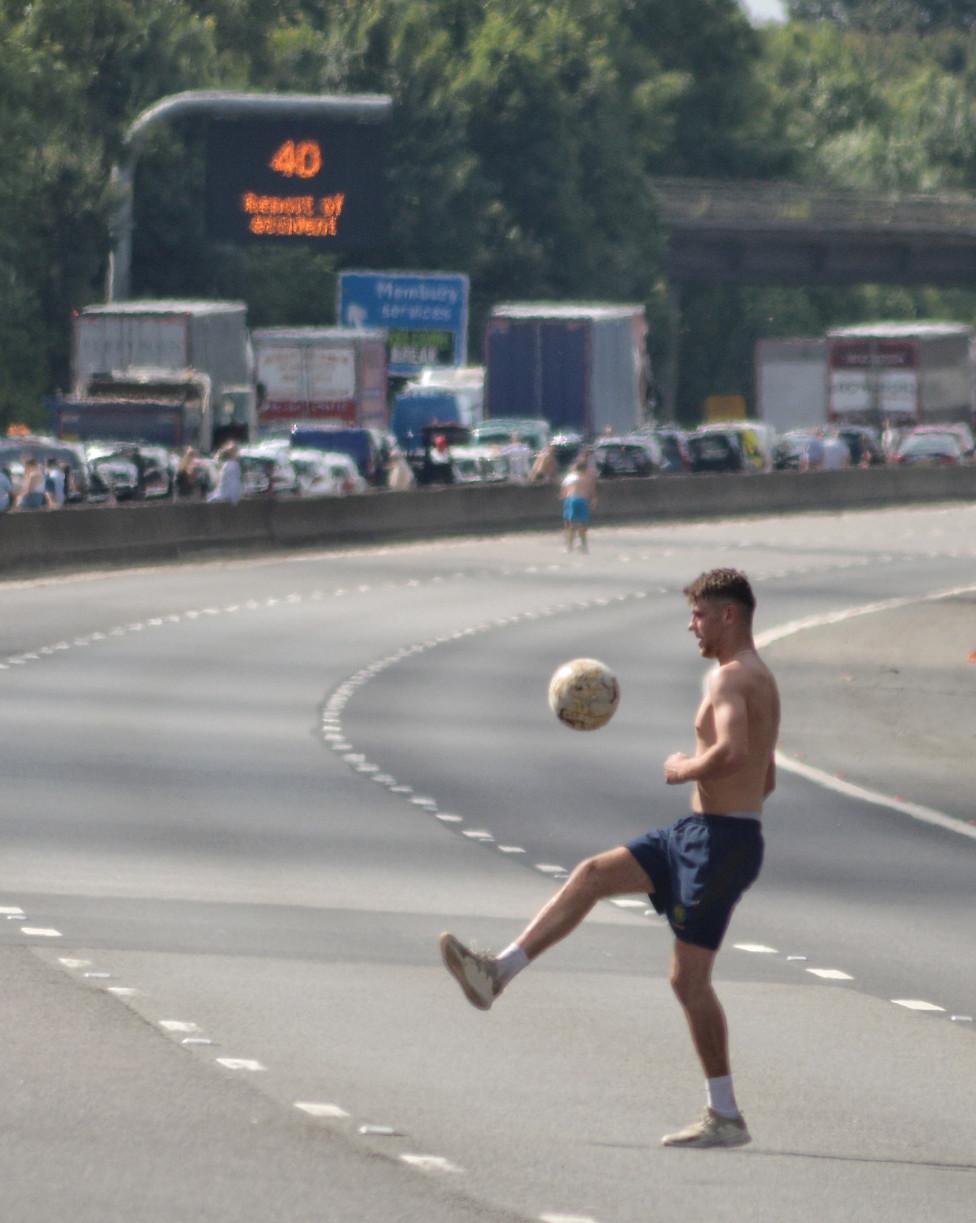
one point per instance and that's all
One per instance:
(748, 204)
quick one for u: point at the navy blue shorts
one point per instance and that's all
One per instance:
(700, 866)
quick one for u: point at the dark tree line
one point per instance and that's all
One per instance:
(523, 136)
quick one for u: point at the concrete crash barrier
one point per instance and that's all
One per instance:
(130, 534)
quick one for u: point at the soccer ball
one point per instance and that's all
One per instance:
(584, 694)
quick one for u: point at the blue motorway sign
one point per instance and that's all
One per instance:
(425, 315)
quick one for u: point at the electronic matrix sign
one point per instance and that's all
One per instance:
(319, 182)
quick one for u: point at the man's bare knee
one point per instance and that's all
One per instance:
(691, 974)
(613, 873)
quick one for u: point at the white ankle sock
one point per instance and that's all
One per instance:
(510, 961)
(721, 1097)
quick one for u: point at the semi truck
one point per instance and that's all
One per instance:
(791, 383)
(902, 374)
(320, 375)
(583, 368)
(173, 372)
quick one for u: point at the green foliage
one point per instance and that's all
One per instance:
(887, 16)
(523, 135)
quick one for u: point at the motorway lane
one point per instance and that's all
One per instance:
(176, 878)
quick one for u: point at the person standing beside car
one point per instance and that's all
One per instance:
(33, 495)
(229, 480)
(54, 483)
(187, 481)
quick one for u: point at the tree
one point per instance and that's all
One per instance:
(886, 16)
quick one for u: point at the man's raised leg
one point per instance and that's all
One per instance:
(483, 977)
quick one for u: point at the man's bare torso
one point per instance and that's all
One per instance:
(745, 789)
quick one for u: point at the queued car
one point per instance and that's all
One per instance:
(128, 471)
(69, 456)
(675, 459)
(715, 450)
(315, 476)
(930, 450)
(864, 444)
(478, 464)
(500, 430)
(345, 474)
(962, 432)
(369, 448)
(267, 472)
(627, 456)
(757, 441)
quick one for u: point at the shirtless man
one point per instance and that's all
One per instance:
(694, 871)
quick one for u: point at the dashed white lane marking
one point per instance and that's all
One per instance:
(550, 868)
(510, 849)
(625, 902)
(40, 932)
(829, 781)
(240, 1063)
(551, 1218)
(179, 1025)
(430, 1163)
(830, 974)
(916, 1004)
(69, 962)
(756, 948)
(12, 911)
(316, 1109)
(122, 991)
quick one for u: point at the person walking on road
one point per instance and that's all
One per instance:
(578, 495)
(694, 871)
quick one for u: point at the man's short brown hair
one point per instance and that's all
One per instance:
(723, 585)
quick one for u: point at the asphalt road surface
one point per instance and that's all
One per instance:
(241, 799)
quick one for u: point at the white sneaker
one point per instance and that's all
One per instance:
(475, 971)
(713, 1130)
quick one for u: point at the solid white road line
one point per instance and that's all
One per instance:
(926, 815)
(916, 811)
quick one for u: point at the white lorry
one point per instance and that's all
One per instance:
(791, 383)
(901, 374)
(172, 372)
(334, 375)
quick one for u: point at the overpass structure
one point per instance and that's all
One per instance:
(778, 233)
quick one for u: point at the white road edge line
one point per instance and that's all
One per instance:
(925, 815)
